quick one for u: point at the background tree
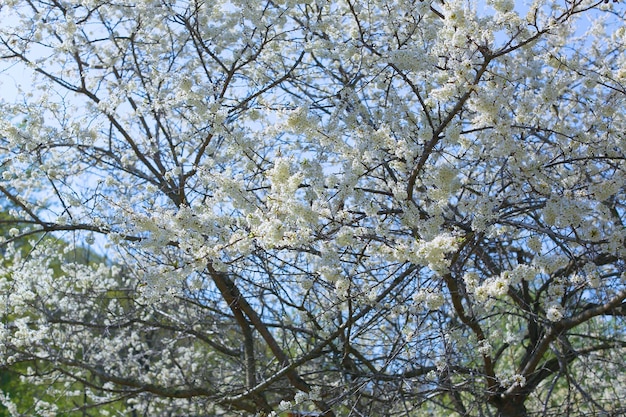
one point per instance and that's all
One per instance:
(358, 208)
(28, 397)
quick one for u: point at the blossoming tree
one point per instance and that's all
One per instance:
(353, 208)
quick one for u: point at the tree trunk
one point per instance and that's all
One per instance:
(512, 407)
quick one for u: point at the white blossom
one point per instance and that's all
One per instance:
(554, 313)
(285, 405)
